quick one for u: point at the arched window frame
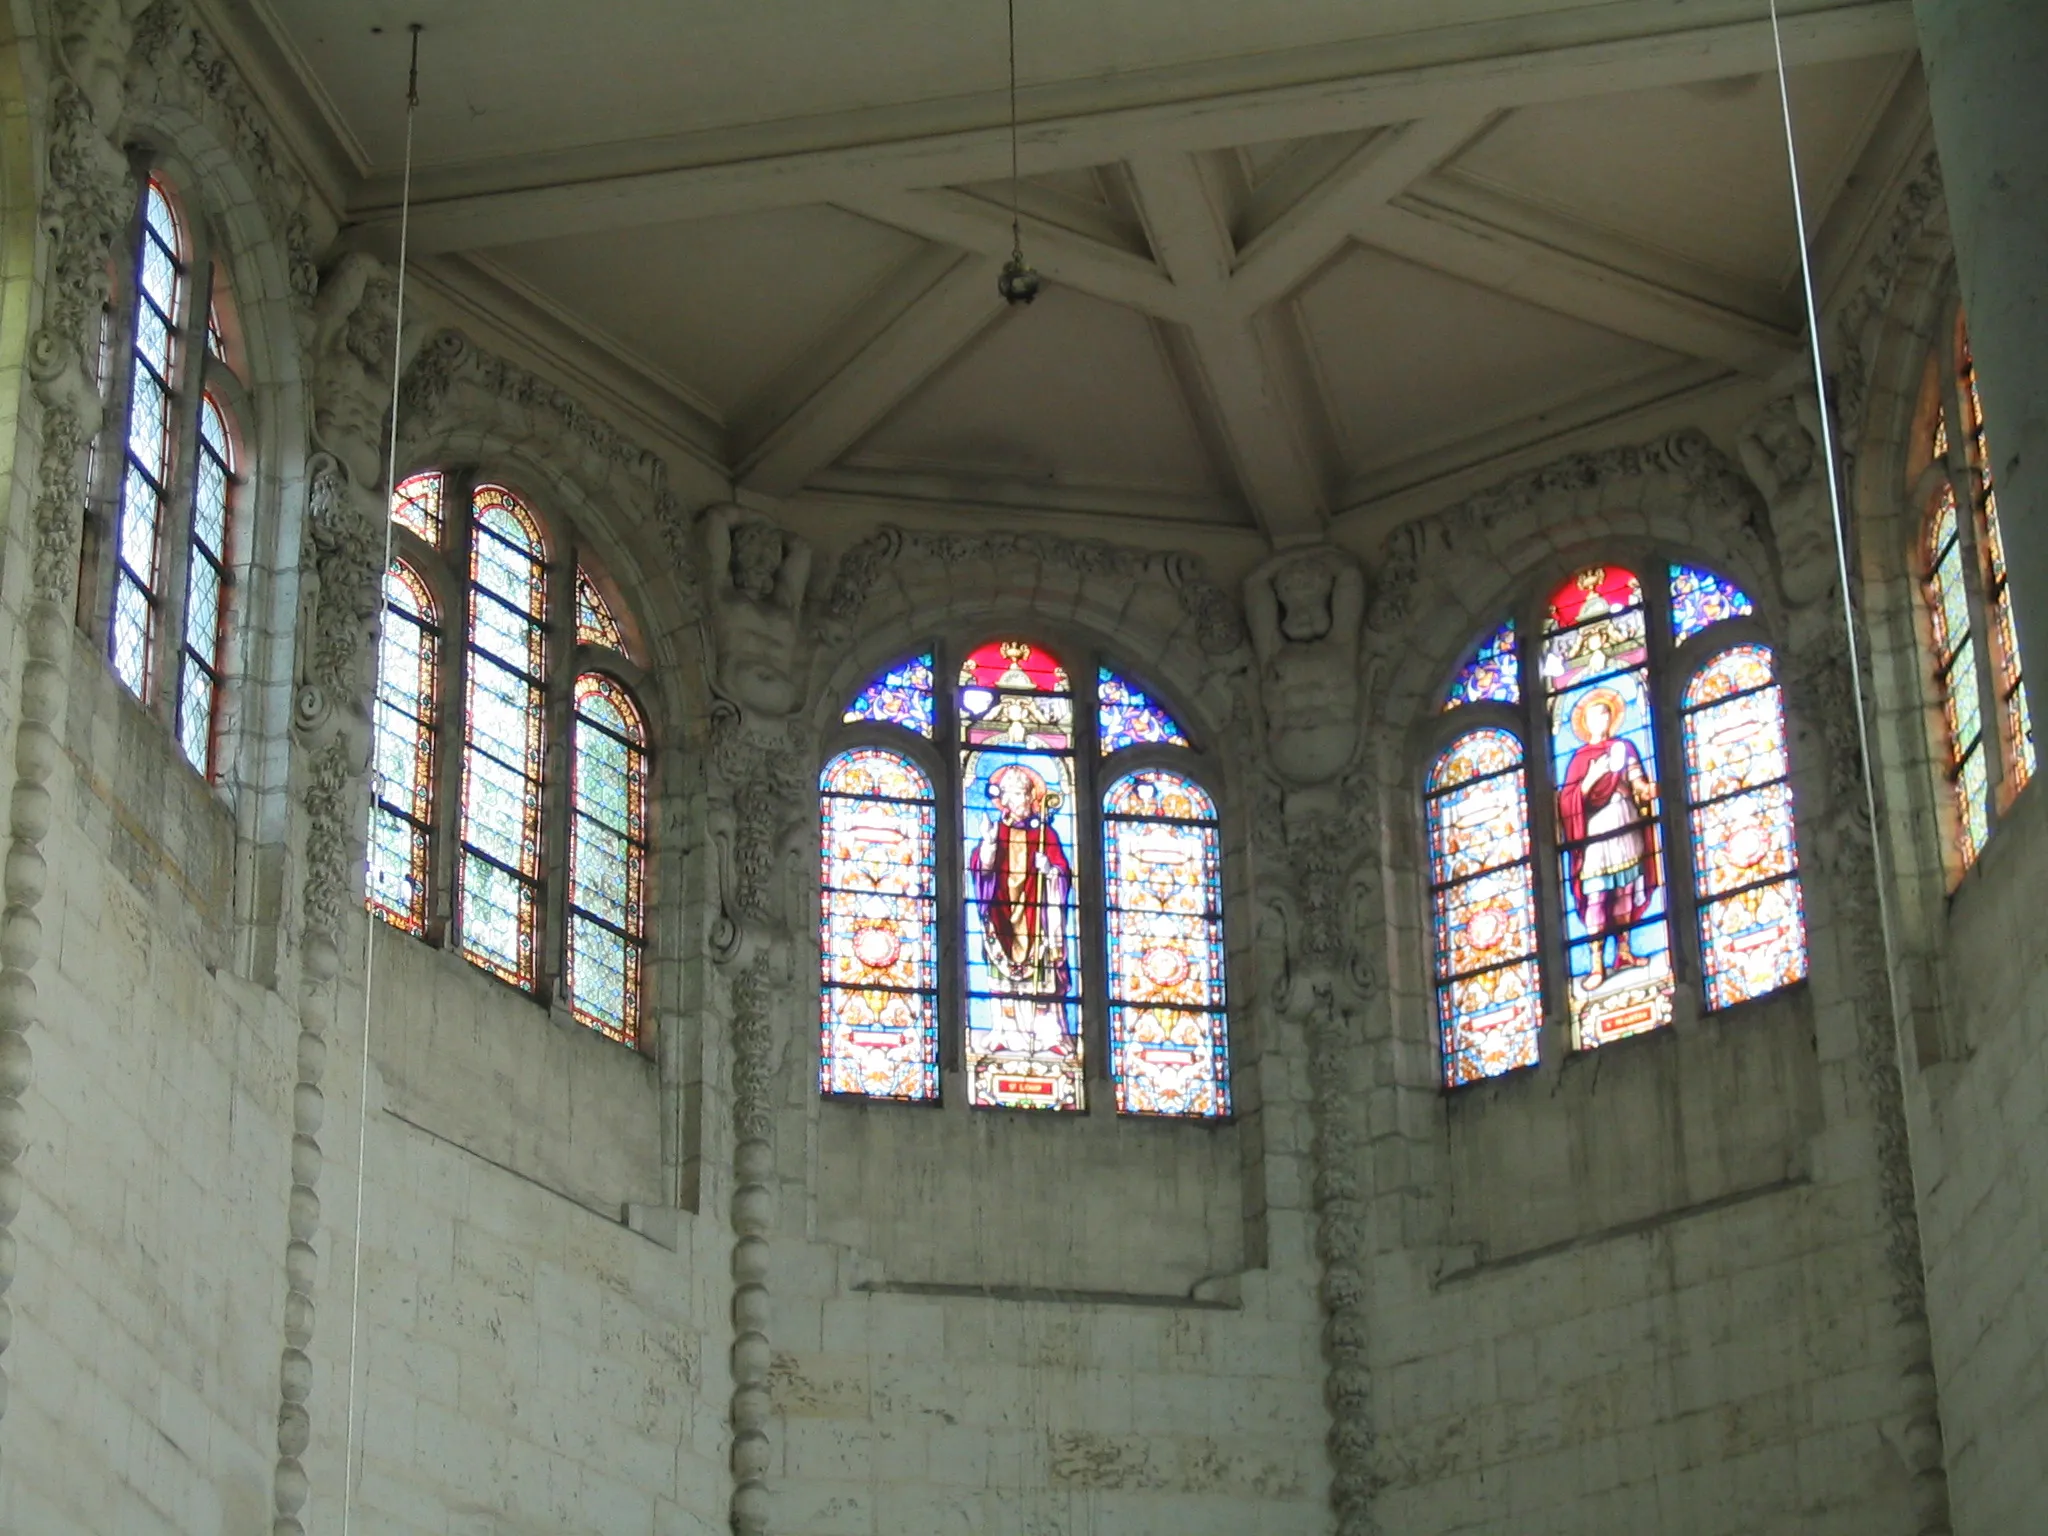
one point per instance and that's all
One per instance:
(1944, 461)
(189, 675)
(1672, 665)
(938, 758)
(444, 567)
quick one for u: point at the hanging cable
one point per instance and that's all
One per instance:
(355, 1288)
(1017, 283)
(1839, 519)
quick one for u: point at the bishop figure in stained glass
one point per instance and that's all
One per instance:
(1022, 882)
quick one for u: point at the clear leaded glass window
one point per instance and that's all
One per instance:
(521, 863)
(1087, 858)
(1592, 816)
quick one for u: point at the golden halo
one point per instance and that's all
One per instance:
(1617, 708)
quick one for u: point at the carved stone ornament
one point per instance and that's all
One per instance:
(1303, 609)
(757, 574)
(1781, 448)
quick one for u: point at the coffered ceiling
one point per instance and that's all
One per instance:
(1303, 259)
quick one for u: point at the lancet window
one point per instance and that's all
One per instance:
(1021, 893)
(163, 481)
(1646, 844)
(1987, 736)
(472, 846)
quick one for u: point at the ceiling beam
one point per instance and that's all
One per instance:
(882, 364)
(1296, 243)
(1441, 72)
(1238, 382)
(974, 224)
(1574, 284)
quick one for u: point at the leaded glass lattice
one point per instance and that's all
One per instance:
(1493, 675)
(1595, 669)
(2015, 726)
(498, 870)
(416, 505)
(595, 624)
(1700, 599)
(900, 695)
(1745, 854)
(402, 784)
(1489, 980)
(607, 859)
(1169, 1048)
(1955, 659)
(1126, 717)
(201, 661)
(878, 929)
(1018, 814)
(138, 527)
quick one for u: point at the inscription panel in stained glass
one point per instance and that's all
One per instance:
(1018, 820)
(878, 929)
(1162, 875)
(1483, 904)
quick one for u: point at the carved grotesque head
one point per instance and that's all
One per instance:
(93, 39)
(757, 555)
(1303, 588)
(1786, 443)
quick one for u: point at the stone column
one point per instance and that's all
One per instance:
(1987, 79)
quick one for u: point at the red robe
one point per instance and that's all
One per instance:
(1019, 931)
(1582, 795)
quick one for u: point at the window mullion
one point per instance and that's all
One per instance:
(558, 712)
(1553, 961)
(450, 769)
(1674, 788)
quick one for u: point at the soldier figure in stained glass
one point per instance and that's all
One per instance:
(1021, 879)
(1604, 805)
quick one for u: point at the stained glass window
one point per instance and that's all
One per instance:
(1700, 599)
(2016, 728)
(1493, 675)
(607, 859)
(138, 530)
(206, 583)
(1955, 657)
(498, 872)
(595, 624)
(402, 786)
(900, 695)
(878, 932)
(1745, 855)
(1162, 875)
(1595, 668)
(416, 507)
(216, 341)
(1126, 717)
(1489, 982)
(1018, 810)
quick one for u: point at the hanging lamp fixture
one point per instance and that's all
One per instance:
(1018, 283)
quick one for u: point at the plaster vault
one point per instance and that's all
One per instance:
(301, 1212)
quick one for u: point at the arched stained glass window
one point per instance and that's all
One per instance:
(202, 661)
(1700, 599)
(1493, 675)
(498, 874)
(595, 624)
(1125, 717)
(1744, 852)
(1017, 812)
(607, 858)
(1603, 747)
(1489, 982)
(879, 929)
(402, 805)
(416, 506)
(1031, 796)
(1163, 910)
(1608, 644)
(145, 482)
(1955, 658)
(902, 695)
(2018, 729)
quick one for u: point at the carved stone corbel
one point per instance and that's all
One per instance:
(1304, 608)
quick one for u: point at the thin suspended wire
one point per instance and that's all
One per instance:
(1016, 223)
(1841, 532)
(355, 1288)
